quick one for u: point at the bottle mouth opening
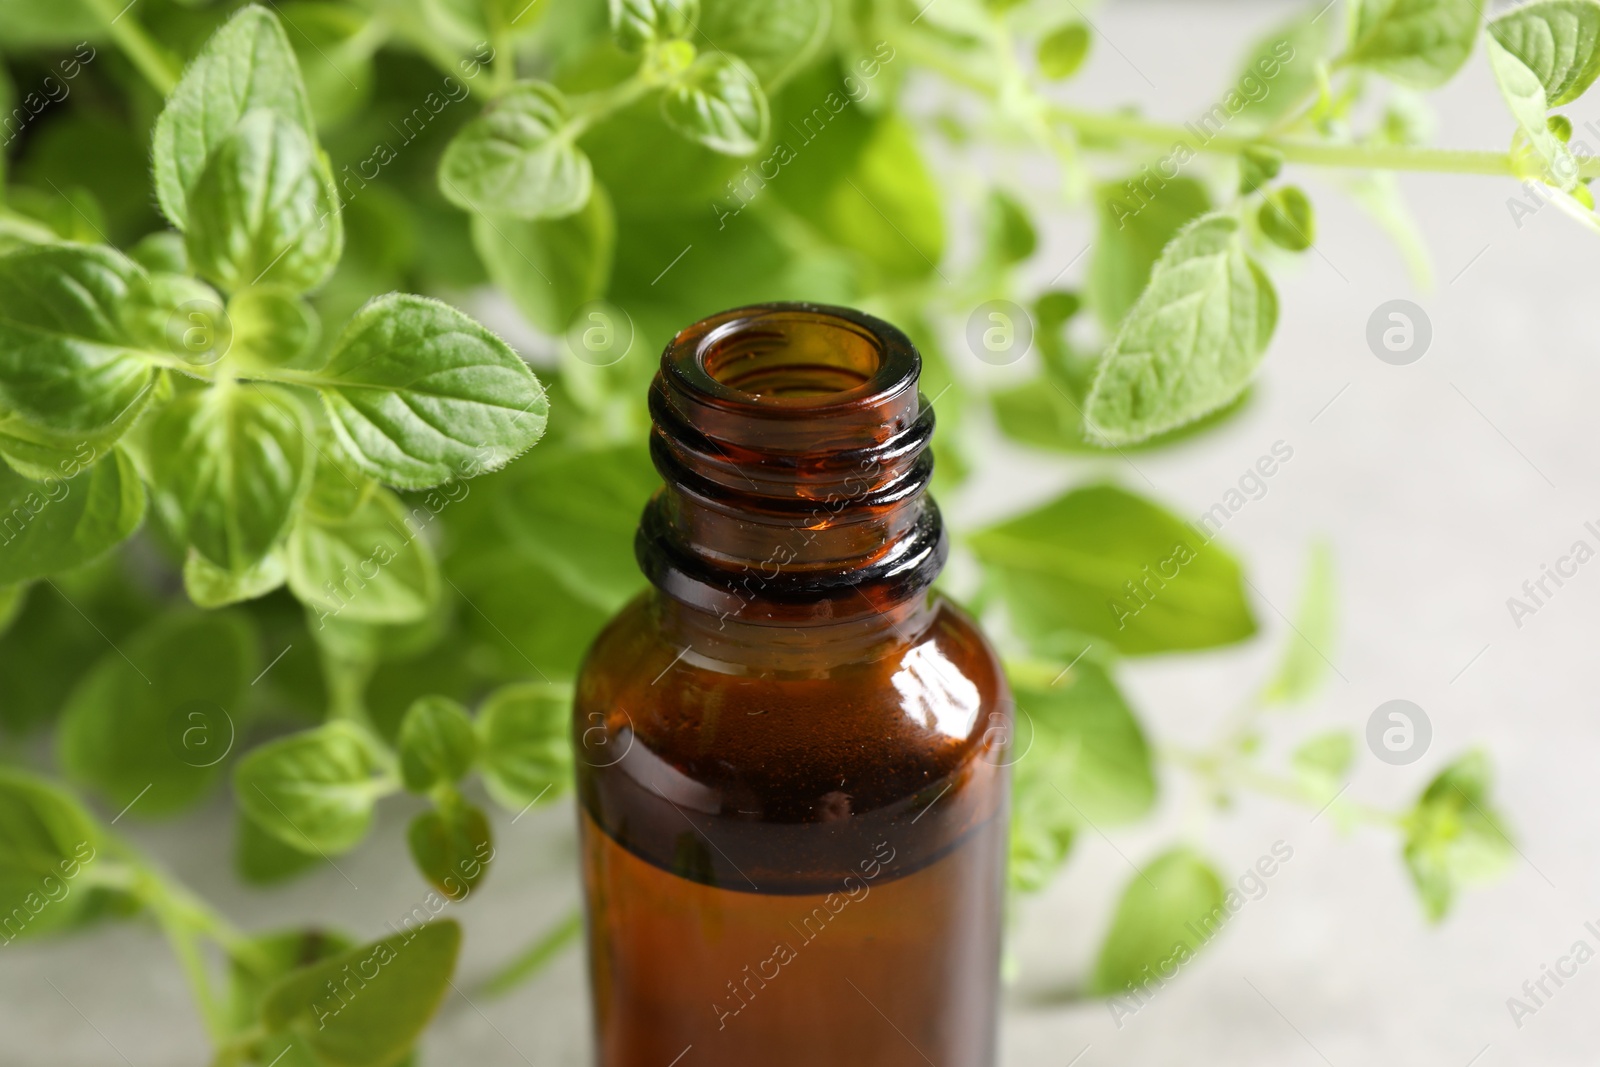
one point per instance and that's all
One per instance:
(792, 357)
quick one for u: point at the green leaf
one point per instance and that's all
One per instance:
(54, 640)
(262, 859)
(316, 790)
(517, 159)
(211, 586)
(1102, 561)
(886, 206)
(58, 524)
(1132, 227)
(1063, 50)
(247, 65)
(1525, 96)
(1258, 165)
(373, 1019)
(637, 23)
(13, 598)
(338, 487)
(1558, 40)
(174, 314)
(1168, 911)
(1193, 340)
(1088, 744)
(420, 394)
(264, 209)
(28, 23)
(777, 38)
(1303, 665)
(1322, 763)
(1416, 43)
(151, 723)
(372, 567)
(438, 744)
(576, 511)
(527, 743)
(47, 840)
(518, 615)
(1279, 72)
(1009, 235)
(229, 466)
(550, 267)
(452, 847)
(1286, 219)
(1454, 836)
(161, 252)
(1081, 761)
(260, 961)
(1047, 412)
(70, 372)
(271, 326)
(719, 103)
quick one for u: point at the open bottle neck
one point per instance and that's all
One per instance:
(794, 448)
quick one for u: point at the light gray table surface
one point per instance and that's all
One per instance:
(1441, 486)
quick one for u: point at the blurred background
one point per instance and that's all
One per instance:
(1440, 487)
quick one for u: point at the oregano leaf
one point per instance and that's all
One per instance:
(1416, 43)
(719, 103)
(229, 464)
(71, 372)
(153, 720)
(518, 158)
(1170, 909)
(211, 586)
(1191, 342)
(58, 524)
(264, 210)
(315, 790)
(246, 65)
(527, 748)
(371, 567)
(550, 267)
(452, 847)
(1525, 95)
(437, 743)
(403, 980)
(777, 38)
(418, 394)
(637, 23)
(1558, 40)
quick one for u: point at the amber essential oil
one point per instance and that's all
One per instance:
(790, 751)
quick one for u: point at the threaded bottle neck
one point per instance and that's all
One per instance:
(793, 444)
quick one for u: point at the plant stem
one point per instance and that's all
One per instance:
(590, 108)
(187, 921)
(1115, 126)
(137, 45)
(544, 949)
(1366, 157)
(1226, 771)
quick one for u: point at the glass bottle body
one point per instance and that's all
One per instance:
(793, 811)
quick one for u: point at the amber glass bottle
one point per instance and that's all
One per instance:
(791, 771)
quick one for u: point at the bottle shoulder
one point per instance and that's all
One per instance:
(855, 735)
